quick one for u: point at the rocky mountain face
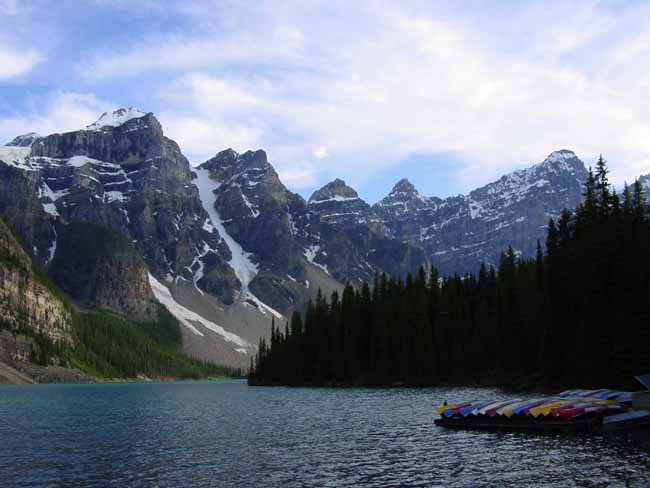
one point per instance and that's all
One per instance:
(119, 219)
(25, 140)
(28, 307)
(94, 263)
(251, 209)
(102, 207)
(458, 233)
(278, 240)
(344, 235)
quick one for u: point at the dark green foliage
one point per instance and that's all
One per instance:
(165, 331)
(109, 346)
(578, 313)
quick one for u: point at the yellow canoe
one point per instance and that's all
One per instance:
(546, 408)
(508, 411)
(442, 408)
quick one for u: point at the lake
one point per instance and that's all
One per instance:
(228, 434)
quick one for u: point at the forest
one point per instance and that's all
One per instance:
(577, 314)
(109, 346)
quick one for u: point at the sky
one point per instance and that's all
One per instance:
(448, 94)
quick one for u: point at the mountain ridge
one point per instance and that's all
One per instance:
(227, 246)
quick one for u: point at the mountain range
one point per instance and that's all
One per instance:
(119, 219)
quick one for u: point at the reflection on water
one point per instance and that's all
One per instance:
(227, 434)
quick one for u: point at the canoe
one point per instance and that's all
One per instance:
(593, 393)
(442, 408)
(540, 403)
(567, 411)
(545, 408)
(481, 411)
(509, 411)
(602, 394)
(475, 406)
(454, 410)
(528, 405)
(490, 412)
(569, 414)
(571, 393)
(502, 408)
(571, 411)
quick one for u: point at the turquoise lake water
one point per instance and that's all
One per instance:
(226, 434)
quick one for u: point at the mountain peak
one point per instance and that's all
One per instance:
(229, 158)
(560, 155)
(116, 118)
(24, 140)
(335, 190)
(404, 186)
(565, 160)
(255, 158)
(229, 153)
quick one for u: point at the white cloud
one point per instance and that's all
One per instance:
(16, 62)
(320, 152)
(332, 89)
(281, 46)
(424, 86)
(59, 112)
(297, 176)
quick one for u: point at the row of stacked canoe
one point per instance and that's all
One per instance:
(569, 410)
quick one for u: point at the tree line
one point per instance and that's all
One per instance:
(578, 313)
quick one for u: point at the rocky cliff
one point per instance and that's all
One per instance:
(348, 238)
(120, 219)
(29, 306)
(458, 233)
(281, 236)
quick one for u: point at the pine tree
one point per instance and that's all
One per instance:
(602, 188)
(577, 313)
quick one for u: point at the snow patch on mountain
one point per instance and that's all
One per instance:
(185, 316)
(310, 254)
(198, 261)
(254, 211)
(24, 140)
(15, 156)
(240, 262)
(335, 198)
(245, 269)
(52, 248)
(116, 118)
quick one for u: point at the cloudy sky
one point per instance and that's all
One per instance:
(449, 94)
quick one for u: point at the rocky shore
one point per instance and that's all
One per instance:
(22, 372)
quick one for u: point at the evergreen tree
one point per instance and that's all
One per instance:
(577, 313)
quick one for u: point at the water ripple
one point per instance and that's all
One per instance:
(229, 435)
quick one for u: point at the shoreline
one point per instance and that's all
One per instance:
(26, 373)
(528, 385)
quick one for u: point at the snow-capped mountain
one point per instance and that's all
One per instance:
(347, 238)
(286, 240)
(113, 215)
(458, 233)
(24, 140)
(119, 219)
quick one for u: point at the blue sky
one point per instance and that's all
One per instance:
(448, 94)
